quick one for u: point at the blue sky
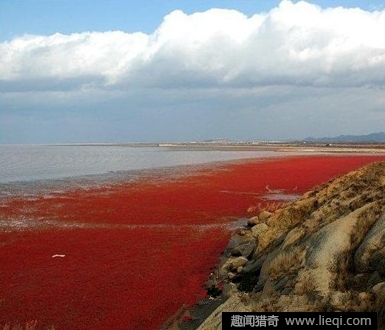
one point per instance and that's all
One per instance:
(46, 17)
(116, 71)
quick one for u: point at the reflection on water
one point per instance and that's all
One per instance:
(39, 162)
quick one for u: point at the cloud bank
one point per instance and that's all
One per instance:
(298, 70)
(293, 44)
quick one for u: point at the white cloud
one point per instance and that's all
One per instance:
(85, 56)
(294, 44)
(296, 71)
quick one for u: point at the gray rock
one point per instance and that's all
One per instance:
(379, 291)
(376, 259)
(359, 281)
(264, 216)
(339, 299)
(254, 266)
(381, 268)
(238, 262)
(373, 242)
(245, 249)
(231, 275)
(279, 285)
(259, 229)
(253, 221)
(238, 239)
(374, 279)
(330, 242)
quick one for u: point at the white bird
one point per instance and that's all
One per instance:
(58, 256)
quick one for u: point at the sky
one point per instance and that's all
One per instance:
(88, 71)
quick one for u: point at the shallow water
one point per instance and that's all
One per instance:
(39, 162)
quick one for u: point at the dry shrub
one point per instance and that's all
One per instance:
(268, 304)
(306, 285)
(285, 263)
(288, 217)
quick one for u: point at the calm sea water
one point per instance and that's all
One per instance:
(27, 163)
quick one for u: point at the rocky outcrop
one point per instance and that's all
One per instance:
(323, 252)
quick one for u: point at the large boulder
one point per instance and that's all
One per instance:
(372, 250)
(245, 250)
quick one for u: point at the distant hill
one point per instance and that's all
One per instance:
(370, 138)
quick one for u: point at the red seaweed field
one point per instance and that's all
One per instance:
(130, 254)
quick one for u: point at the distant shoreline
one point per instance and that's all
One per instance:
(311, 147)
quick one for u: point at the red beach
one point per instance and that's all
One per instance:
(129, 255)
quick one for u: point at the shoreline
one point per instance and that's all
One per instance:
(272, 150)
(219, 144)
(122, 176)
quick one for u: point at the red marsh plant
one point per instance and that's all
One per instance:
(141, 249)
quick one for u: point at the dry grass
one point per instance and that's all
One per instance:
(288, 217)
(265, 305)
(306, 286)
(261, 206)
(285, 262)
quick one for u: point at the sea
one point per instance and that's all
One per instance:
(27, 163)
(29, 169)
